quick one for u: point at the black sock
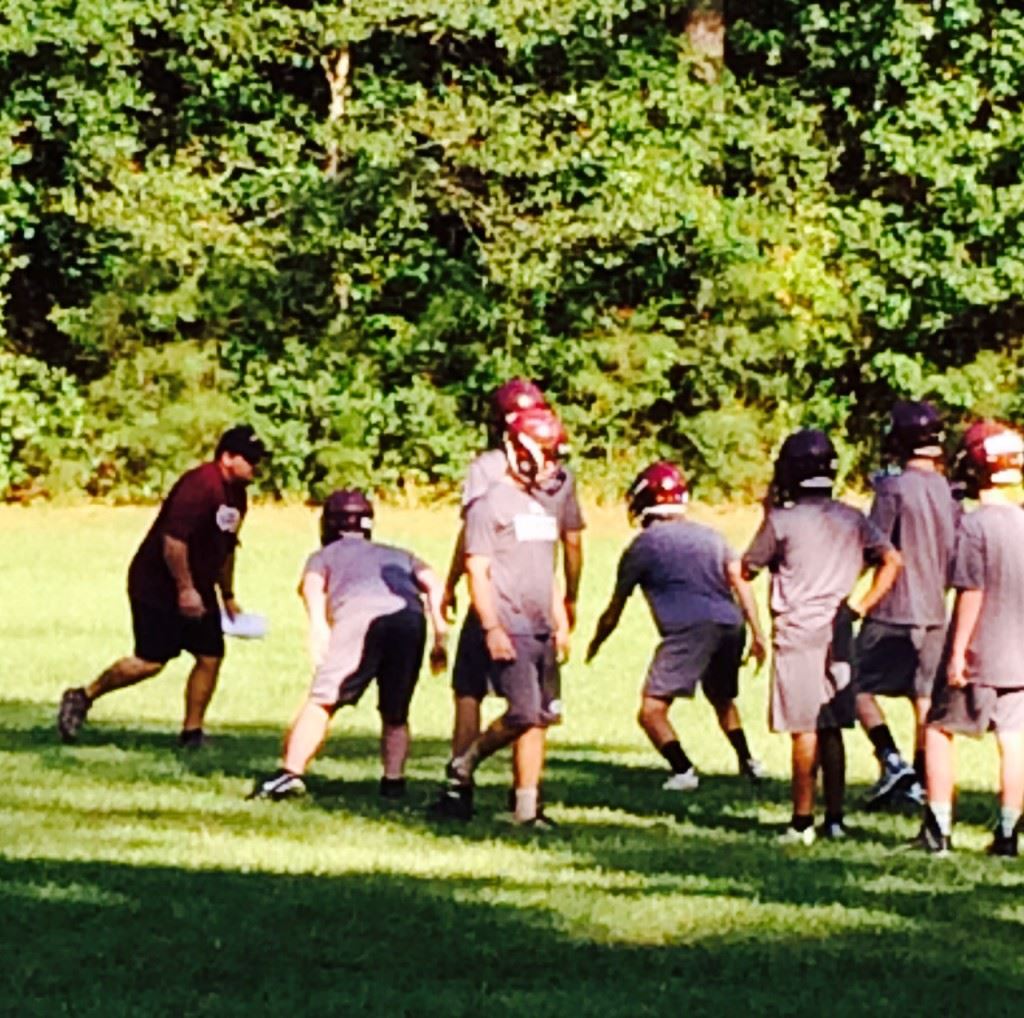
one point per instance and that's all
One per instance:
(881, 738)
(919, 765)
(833, 818)
(801, 821)
(739, 743)
(676, 757)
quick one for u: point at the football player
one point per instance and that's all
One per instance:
(692, 581)
(511, 533)
(900, 643)
(366, 621)
(980, 687)
(469, 675)
(815, 548)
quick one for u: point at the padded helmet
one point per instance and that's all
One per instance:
(517, 394)
(346, 511)
(915, 429)
(990, 455)
(659, 491)
(535, 440)
(806, 465)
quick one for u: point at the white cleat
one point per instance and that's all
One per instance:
(688, 781)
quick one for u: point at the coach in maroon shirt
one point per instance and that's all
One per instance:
(172, 585)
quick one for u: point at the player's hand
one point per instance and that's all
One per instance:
(955, 671)
(563, 644)
(439, 655)
(499, 645)
(570, 613)
(190, 603)
(231, 608)
(758, 651)
(448, 605)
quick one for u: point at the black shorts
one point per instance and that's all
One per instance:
(470, 674)
(392, 654)
(707, 654)
(895, 660)
(525, 682)
(162, 633)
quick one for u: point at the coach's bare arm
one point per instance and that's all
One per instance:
(190, 603)
(481, 593)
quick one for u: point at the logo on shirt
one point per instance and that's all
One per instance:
(228, 519)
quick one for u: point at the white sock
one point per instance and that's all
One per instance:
(526, 804)
(943, 813)
(1008, 817)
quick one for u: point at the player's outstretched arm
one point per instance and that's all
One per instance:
(885, 577)
(314, 597)
(606, 625)
(745, 596)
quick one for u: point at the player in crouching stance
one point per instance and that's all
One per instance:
(981, 686)
(900, 643)
(689, 575)
(815, 548)
(510, 541)
(366, 622)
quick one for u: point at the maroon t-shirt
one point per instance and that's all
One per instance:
(204, 511)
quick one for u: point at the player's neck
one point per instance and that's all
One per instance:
(922, 463)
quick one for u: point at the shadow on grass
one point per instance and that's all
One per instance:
(106, 940)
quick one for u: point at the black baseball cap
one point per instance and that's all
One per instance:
(242, 440)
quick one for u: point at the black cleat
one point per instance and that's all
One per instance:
(1002, 845)
(74, 706)
(392, 788)
(192, 738)
(452, 803)
(930, 838)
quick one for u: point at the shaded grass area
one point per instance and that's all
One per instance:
(137, 879)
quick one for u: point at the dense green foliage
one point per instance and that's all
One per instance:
(348, 221)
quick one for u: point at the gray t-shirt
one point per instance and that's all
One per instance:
(366, 579)
(816, 550)
(518, 534)
(916, 511)
(990, 558)
(680, 566)
(491, 466)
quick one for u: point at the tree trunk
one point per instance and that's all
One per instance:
(337, 67)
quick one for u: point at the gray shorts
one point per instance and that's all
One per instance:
(895, 660)
(472, 668)
(811, 689)
(524, 684)
(707, 654)
(391, 653)
(977, 709)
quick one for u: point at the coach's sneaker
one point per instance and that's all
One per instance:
(754, 770)
(688, 781)
(791, 836)
(74, 706)
(897, 774)
(392, 788)
(281, 784)
(1002, 845)
(930, 838)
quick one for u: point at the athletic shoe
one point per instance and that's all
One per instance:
(392, 788)
(791, 836)
(541, 822)
(754, 770)
(281, 784)
(833, 831)
(896, 775)
(456, 774)
(1003, 845)
(688, 781)
(192, 738)
(74, 706)
(452, 803)
(914, 793)
(930, 838)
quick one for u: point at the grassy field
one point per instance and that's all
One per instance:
(137, 880)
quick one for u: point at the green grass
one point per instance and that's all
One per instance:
(136, 880)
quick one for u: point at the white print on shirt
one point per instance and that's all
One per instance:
(531, 527)
(228, 518)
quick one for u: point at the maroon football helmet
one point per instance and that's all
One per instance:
(535, 443)
(990, 455)
(659, 491)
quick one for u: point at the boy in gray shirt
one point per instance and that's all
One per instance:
(900, 643)
(691, 579)
(366, 622)
(815, 548)
(980, 687)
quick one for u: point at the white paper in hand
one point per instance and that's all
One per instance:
(247, 625)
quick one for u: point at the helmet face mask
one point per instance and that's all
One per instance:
(535, 443)
(915, 430)
(991, 455)
(805, 467)
(346, 511)
(659, 492)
